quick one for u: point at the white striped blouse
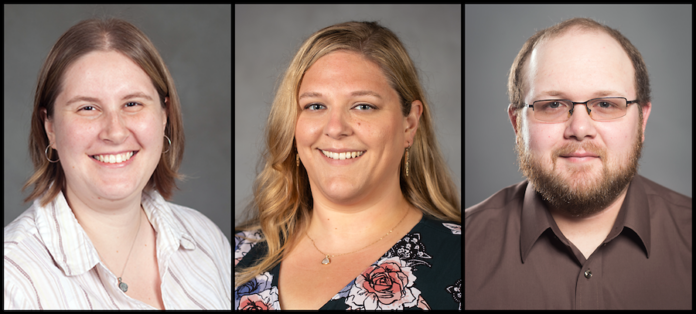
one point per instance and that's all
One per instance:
(50, 262)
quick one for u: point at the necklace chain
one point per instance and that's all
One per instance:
(122, 285)
(140, 219)
(326, 260)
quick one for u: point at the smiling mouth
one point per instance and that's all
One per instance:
(116, 158)
(342, 156)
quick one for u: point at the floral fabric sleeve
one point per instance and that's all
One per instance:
(259, 293)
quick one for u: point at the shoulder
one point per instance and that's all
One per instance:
(435, 237)
(441, 228)
(22, 229)
(200, 227)
(496, 207)
(23, 244)
(244, 242)
(432, 256)
(661, 194)
(27, 261)
(667, 206)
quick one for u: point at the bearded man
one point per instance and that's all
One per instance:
(584, 231)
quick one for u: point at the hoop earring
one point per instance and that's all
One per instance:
(46, 154)
(170, 144)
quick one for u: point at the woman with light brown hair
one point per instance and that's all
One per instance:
(355, 207)
(106, 141)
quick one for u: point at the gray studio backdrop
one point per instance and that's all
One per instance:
(268, 36)
(195, 42)
(494, 35)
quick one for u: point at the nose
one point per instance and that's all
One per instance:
(580, 125)
(114, 128)
(337, 126)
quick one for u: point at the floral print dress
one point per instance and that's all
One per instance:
(423, 270)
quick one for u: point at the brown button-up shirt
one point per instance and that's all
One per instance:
(517, 258)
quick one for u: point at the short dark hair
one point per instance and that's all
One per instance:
(517, 84)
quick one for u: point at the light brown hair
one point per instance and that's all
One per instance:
(282, 203)
(101, 35)
(516, 80)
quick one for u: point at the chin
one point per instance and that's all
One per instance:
(342, 193)
(116, 191)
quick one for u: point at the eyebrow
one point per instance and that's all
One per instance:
(94, 99)
(596, 94)
(353, 94)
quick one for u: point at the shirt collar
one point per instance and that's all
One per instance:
(634, 214)
(73, 251)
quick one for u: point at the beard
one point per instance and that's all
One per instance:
(581, 191)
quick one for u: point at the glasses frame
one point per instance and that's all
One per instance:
(628, 102)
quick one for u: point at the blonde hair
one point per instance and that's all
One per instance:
(517, 85)
(282, 203)
(102, 35)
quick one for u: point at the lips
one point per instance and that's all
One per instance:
(580, 155)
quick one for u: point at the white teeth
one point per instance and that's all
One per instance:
(113, 159)
(342, 156)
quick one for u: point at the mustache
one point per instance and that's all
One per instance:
(589, 147)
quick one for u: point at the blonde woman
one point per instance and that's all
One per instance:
(106, 141)
(355, 207)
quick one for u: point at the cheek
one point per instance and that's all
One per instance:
(542, 138)
(306, 130)
(75, 133)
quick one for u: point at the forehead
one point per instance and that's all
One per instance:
(578, 63)
(101, 72)
(343, 71)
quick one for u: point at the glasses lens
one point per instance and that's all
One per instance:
(551, 110)
(607, 108)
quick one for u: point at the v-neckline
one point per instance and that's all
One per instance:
(276, 270)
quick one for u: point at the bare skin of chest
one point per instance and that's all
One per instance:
(587, 245)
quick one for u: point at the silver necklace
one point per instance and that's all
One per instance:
(122, 285)
(327, 261)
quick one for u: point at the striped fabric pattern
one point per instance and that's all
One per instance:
(50, 262)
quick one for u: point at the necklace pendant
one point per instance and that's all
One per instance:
(122, 285)
(326, 260)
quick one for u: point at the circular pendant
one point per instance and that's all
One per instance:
(123, 286)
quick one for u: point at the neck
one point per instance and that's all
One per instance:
(106, 222)
(599, 223)
(338, 229)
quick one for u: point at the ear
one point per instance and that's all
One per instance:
(411, 121)
(48, 127)
(512, 114)
(646, 113)
(165, 113)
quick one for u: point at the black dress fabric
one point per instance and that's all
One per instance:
(421, 271)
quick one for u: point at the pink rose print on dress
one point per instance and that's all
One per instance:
(387, 285)
(266, 300)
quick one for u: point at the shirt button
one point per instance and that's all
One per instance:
(588, 274)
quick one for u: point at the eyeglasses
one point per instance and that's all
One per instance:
(599, 109)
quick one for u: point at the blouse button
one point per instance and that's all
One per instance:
(588, 274)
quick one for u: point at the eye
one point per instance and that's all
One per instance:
(310, 106)
(132, 104)
(555, 104)
(366, 106)
(86, 108)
